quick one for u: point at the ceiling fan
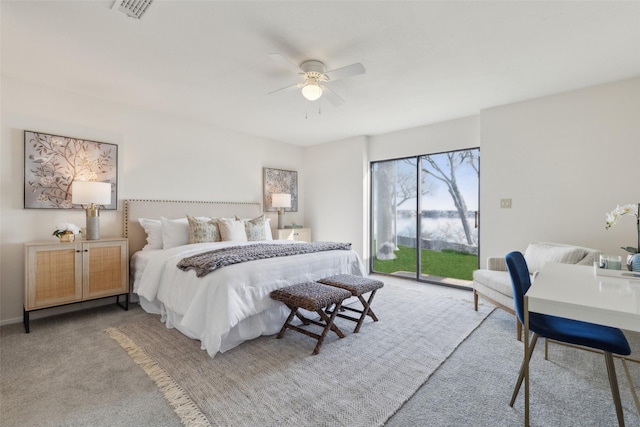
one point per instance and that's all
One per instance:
(316, 77)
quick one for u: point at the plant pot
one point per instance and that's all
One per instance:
(633, 262)
(68, 236)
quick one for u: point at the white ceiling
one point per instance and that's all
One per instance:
(426, 61)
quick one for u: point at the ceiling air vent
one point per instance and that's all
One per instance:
(133, 8)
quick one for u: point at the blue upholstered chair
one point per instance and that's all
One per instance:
(609, 340)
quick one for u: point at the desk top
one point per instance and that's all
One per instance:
(575, 292)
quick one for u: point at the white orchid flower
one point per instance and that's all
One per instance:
(613, 216)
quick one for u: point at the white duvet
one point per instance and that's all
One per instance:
(232, 304)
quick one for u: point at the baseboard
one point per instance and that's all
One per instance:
(53, 311)
(10, 321)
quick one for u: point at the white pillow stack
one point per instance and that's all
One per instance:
(153, 228)
(175, 232)
(168, 233)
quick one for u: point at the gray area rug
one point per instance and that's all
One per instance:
(360, 380)
(474, 386)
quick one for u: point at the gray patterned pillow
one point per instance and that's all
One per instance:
(203, 230)
(255, 228)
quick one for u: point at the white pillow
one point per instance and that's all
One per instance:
(267, 229)
(153, 228)
(232, 230)
(175, 232)
(538, 254)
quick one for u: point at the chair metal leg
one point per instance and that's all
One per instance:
(613, 382)
(633, 388)
(534, 339)
(518, 329)
(546, 349)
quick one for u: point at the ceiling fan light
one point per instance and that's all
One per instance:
(311, 91)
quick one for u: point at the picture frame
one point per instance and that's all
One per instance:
(280, 181)
(53, 162)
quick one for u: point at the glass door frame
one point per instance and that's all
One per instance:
(418, 276)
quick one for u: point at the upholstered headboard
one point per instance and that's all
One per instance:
(154, 209)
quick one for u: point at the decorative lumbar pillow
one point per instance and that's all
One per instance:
(232, 230)
(203, 230)
(538, 254)
(175, 232)
(255, 228)
(153, 228)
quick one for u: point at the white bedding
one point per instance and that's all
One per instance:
(232, 304)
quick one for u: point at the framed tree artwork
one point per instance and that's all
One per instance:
(280, 181)
(53, 162)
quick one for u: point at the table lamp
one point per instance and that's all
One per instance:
(91, 193)
(280, 201)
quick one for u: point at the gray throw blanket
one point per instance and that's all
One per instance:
(207, 262)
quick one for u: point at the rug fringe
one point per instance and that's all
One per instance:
(183, 406)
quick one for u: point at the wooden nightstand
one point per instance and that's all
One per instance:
(299, 234)
(66, 273)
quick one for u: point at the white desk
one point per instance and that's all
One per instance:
(575, 292)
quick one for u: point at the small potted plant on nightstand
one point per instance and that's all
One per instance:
(66, 232)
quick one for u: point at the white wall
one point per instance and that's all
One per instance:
(336, 206)
(440, 137)
(565, 160)
(160, 156)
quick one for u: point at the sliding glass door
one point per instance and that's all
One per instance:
(424, 215)
(393, 216)
(449, 211)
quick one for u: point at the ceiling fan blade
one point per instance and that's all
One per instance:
(348, 71)
(285, 89)
(285, 62)
(333, 97)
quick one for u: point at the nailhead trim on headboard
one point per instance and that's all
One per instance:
(242, 206)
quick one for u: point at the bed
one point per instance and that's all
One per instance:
(230, 305)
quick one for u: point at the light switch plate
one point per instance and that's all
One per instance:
(505, 203)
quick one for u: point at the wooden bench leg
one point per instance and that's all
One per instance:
(294, 311)
(329, 325)
(366, 311)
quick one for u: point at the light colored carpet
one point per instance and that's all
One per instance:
(360, 380)
(68, 372)
(474, 386)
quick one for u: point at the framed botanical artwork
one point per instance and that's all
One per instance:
(53, 162)
(280, 181)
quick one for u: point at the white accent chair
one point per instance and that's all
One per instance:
(493, 284)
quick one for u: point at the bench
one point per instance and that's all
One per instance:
(357, 286)
(316, 297)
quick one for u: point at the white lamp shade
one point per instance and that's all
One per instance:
(281, 200)
(87, 192)
(311, 91)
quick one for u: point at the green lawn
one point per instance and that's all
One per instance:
(453, 264)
